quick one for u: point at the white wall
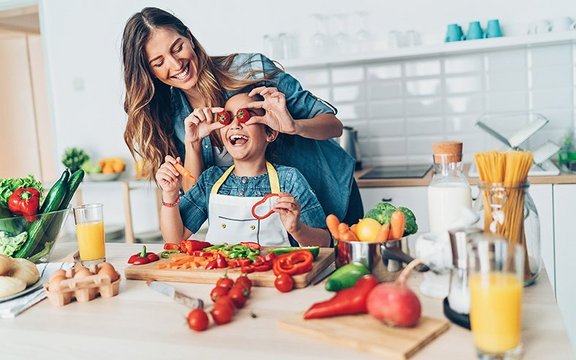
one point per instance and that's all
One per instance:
(82, 45)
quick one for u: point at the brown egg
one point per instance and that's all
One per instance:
(107, 269)
(81, 272)
(55, 280)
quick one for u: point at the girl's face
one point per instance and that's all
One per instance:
(245, 142)
(172, 59)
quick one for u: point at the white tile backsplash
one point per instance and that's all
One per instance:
(401, 108)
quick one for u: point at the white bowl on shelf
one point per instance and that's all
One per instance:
(103, 177)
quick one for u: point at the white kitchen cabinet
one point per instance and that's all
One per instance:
(413, 197)
(565, 251)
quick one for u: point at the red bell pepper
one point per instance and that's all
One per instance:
(25, 202)
(349, 301)
(293, 263)
(260, 202)
(250, 244)
(188, 246)
(171, 246)
(143, 257)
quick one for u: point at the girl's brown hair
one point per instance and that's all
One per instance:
(149, 132)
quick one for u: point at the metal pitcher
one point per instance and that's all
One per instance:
(349, 142)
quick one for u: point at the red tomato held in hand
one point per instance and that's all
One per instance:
(243, 115)
(198, 320)
(222, 314)
(223, 117)
(284, 283)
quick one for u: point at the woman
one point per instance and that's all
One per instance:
(170, 81)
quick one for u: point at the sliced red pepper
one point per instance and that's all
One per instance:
(243, 115)
(263, 267)
(244, 262)
(270, 257)
(171, 246)
(346, 302)
(143, 257)
(294, 263)
(252, 245)
(223, 117)
(247, 269)
(262, 217)
(211, 265)
(221, 261)
(233, 263)
(189, 246)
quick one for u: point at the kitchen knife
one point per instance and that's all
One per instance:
(175, 295)
(323, 274)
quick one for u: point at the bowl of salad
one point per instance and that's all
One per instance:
(32, 219)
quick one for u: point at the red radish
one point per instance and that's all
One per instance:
(394, 303)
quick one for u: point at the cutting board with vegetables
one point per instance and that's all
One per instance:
(365, 333)
(151, 271)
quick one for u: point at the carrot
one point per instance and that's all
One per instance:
(383, 233)
(353, 228)
(184, 172)
(332, 222)
(397, 223)
(345, 233)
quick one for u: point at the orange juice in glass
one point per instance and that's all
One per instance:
(496, 282)
(90, 233)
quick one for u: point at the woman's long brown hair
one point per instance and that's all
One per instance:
(149, 132)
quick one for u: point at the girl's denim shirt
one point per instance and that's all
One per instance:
(326, 166)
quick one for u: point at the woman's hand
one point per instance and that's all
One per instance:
(169, 179)
(201, 123)
(289, 210)
(277, 115)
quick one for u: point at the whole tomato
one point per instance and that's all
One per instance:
(245, 282)
(284, 283)
(222, 313)
(239, 295)
(243, 115)
(225, 282)
(223, 117)
(218, 292)
(198, 320)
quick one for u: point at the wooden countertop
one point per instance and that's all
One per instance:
(142, 324)
(425, 181)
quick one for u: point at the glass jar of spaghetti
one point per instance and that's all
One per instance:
(508, 210)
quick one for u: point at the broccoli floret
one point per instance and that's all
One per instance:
(381, 213)
(411, 227)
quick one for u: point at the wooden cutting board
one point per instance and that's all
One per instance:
(363, 332)
(266, 278)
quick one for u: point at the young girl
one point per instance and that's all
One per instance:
(226, 195)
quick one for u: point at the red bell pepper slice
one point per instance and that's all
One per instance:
(171, 246)
(251, 244)
(247, 269)
(189, 246)
(293, 263)
(262, 217)
(221, 262)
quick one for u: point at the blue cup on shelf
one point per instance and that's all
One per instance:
(474, 31)
(493, 29)
(454, 33)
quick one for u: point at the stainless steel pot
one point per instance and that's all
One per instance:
(349, 142)
(384, 260)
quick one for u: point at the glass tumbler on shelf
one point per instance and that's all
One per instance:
(509, 211)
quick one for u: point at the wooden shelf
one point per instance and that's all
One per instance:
(453, 48)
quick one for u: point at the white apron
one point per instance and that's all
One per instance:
(230, 218)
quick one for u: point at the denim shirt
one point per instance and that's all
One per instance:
(326, 166)
(194, 204)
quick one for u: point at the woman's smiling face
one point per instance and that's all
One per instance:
(172, 59)
(245, 142)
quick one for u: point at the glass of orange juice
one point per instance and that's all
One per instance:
(89, 222)
(496, 276)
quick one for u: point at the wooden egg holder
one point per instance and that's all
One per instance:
(82, 289)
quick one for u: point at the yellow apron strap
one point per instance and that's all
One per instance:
(220, 181)
(272, 176)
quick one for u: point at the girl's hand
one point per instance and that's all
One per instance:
(201, 123)
(169, 179)
(277, 116)
(289, 210)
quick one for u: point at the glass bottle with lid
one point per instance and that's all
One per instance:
(449, 191)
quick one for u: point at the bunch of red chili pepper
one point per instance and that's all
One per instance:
(228, 296)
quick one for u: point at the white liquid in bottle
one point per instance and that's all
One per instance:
(446, 204)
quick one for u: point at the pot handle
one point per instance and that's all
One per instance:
(395, 253)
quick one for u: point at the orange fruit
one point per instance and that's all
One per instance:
(367, 229)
